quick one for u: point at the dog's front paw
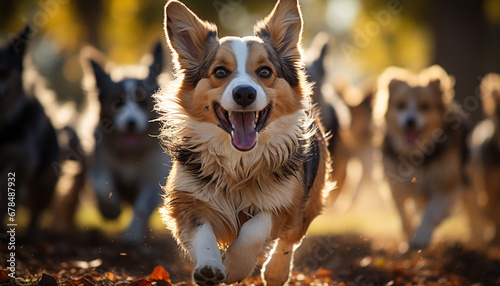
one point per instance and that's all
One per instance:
(209, 274)
(238, 266)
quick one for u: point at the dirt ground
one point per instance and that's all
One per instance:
(356, 242)
(90, 258)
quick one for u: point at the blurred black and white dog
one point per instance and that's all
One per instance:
(28, 143)
(128, 161)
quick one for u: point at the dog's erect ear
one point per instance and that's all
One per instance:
(395, 85)
(187, 35)
(439, 82)
(317, 53)
(283, 30)
(19, 42)
(102, 79)
(156, 66)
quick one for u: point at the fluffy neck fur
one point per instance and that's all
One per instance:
(206, 151)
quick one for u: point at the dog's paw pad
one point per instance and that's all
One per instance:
(209, 275)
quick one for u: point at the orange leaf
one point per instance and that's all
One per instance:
(4, 277)
(159, 273)
(323, 272)
(110, 276)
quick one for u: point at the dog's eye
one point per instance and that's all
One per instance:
(424, 107)
(400, 105)
(221, 72)
(264, 72)
(118, 103)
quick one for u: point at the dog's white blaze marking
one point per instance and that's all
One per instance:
(240, 50)
(204, 249)
(410, 112)
(130, 111)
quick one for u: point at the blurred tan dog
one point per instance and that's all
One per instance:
(424, 146)
(485, 151)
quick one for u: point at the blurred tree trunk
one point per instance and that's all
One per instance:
(90, 13)
(463, 47)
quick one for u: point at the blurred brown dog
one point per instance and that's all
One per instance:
(424, 146)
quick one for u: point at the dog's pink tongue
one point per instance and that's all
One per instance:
(244, 135)
(411, 136)
(131, 140)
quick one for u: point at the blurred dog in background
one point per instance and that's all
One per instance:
(424, 146)
(485, 151)
(358, 136)
(316, 72)
(128, 163)
(28, 143)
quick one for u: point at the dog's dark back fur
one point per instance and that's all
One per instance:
(28, 142)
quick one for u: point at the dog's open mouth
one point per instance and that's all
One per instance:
(243, 126)
(411, 135)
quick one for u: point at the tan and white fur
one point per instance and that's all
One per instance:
(249, 160)
(423, 146)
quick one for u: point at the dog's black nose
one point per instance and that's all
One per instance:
(411, 122)
(244, 95)
(131, 124)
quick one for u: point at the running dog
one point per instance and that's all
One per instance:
(128, 163)
(29, 150)
(424, 146)
(250, 162)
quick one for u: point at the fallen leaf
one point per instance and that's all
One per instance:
(159, 273)
(140, 282)
(47, 280)
(162, 283)
(87, 280)
(414, 180)
(4, 277)
(323, 272)
(110, 276)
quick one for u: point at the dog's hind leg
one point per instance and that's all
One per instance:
(146, 202)
(276, 270)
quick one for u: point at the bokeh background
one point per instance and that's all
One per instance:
(366, 36)
(369, 35)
